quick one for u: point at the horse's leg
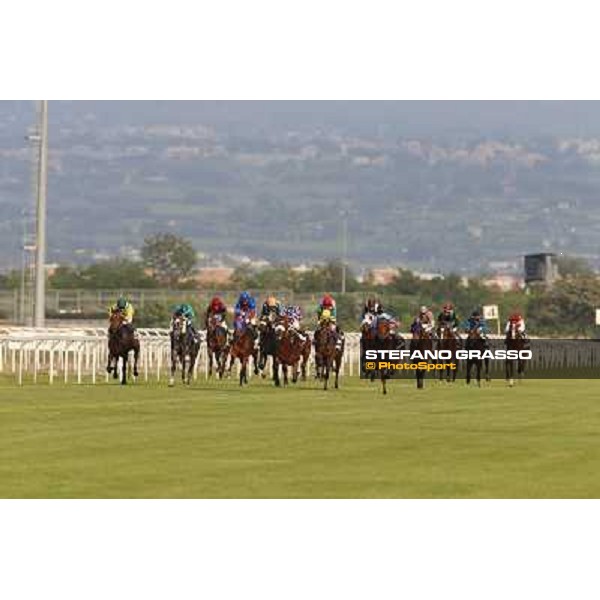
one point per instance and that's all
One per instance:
(109, 362)
(326, 366)
(243, 366)
(209, 358)
(124, 368)
(338, 364)
(468, 373)
(116, 367)
(276, 372)
(136, 356)
(486, 362)
(173, 366)
(383, 381)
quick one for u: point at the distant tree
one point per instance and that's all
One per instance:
(327, 277)
(110, 274)
(571, 266)
(171, 258)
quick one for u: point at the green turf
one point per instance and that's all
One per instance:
(540, 439)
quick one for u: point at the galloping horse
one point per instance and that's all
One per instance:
(184, 349)
(268, 343)
(217, 344)
(242, 348)
(288, 353)
(367, 338)
(476, 342)
(121, 341)
(422, 339)
(514, 341)
(448, 340)
(327, 354)
(385, 339)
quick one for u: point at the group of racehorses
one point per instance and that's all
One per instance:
(379, 333)
(272, 337)
(289, 349)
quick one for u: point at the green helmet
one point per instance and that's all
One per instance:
(122, 303)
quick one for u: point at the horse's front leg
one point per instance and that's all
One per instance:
(338, 364)
(136, 356)
(124, 369)
(115, 368)
(173, 367)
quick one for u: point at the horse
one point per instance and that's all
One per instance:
(242, 348)
(267, 343)
(217, 344)
(367, 338)
(289, 351)
(328, 355)
(185, 347)
(385, 339)
(514, 340)
(422, 340)
(476, 342)
(448, 340)
(121, 341)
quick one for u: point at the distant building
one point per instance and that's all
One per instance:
(213, 276)
(503, 282)
(541, 269)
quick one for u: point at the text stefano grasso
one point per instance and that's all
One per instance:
(498, 354)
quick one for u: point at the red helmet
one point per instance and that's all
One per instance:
(448, 306)
(515, 317)
(327, 301)
(215, 302)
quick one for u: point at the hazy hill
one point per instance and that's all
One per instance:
(433, 185)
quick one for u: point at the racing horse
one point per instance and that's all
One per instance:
(217, 344)
(242, 347)
(385, 338)
(328, 356)
(367, 338)
(449, 341)
(121, 341)
(474, 341)
(185, 347)
(289, 350)
(267, 343)
(514, 340)
(422, 340)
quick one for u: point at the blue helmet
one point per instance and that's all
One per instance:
(122, 303)
(244, 298)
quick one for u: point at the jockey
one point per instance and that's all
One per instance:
(187, 312)
(516, 320)
(373, 307)
(327, 303)
(294, 315)
(476, 321)
(123, 306)
(448, 317)
(424, 319)
(216, 308)
(246, 308)
(271, 306)
(327, 309)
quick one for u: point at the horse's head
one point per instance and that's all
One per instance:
(367, 322)
(116, 319)
(384, 328)
(179, 326)
(280, 328)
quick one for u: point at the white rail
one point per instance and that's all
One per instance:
(79, 355)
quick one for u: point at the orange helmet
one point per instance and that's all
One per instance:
(215, 302)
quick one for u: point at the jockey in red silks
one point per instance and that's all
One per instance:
(216, 308)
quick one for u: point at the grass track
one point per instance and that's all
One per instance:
(540, 439)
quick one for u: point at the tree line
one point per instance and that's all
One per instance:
(169, 261)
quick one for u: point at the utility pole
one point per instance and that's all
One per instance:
(40, 241)
(344, 214)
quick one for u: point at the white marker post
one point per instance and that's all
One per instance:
(491, 312)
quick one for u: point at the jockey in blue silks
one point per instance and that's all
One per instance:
(476, 321)
(245, 313)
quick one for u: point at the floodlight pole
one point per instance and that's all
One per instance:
(40, 242)
(344, 248)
